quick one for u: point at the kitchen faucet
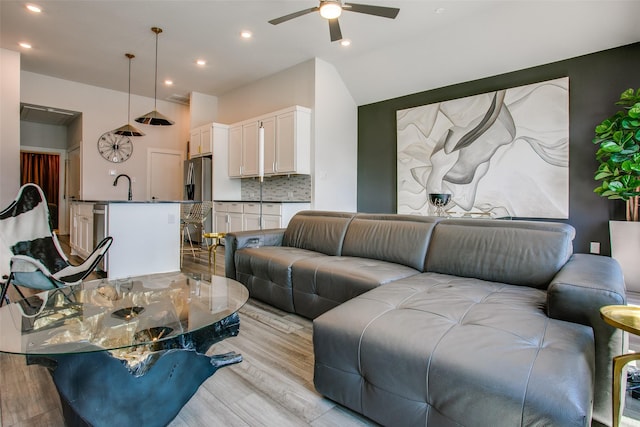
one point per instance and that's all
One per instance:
(129, 196)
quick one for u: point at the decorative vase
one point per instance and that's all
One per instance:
(439, 201)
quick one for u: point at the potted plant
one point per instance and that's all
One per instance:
(618, 138)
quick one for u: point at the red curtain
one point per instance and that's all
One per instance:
(44, 170)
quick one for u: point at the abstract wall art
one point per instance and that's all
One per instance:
(503, 153)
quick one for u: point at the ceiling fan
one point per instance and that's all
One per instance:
(332, 9)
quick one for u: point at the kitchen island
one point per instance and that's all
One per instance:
(146, 235)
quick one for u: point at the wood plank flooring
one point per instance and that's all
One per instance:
(272, 386)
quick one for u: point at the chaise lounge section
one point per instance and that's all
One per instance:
(423, 321)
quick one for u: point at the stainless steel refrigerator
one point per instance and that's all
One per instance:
(197, 187)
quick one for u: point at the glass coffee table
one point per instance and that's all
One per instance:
(130, 351)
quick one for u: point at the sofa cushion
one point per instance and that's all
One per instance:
(266, 272)
(322, 283)
(401, 239)
(318, 231)
(527, 253)
(442, 350)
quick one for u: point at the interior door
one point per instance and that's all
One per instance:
(165, 175)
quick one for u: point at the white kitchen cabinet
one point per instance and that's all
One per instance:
(250, 149)
(81, 230)
(269, 126)
(293, 141)
(271, 215)
(287, 144)
(235, 151)
(228, 217)
(243, 150)
(202, 138)
(243, 216)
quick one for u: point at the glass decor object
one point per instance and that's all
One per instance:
(440, 201)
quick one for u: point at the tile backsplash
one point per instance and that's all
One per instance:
(277, 188)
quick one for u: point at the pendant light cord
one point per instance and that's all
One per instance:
(155, 90)
(129, 99)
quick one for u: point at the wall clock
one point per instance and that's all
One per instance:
(115, 148)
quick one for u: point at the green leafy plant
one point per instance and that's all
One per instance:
(618, 138)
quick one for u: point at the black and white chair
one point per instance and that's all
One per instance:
(30, 254)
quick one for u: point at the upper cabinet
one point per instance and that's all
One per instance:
(235, 151)
(287, 144)
(202, 138)
(293, 142)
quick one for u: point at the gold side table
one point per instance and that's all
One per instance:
(627, 318)
(215, 242)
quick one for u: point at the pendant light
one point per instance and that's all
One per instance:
(154, 117)
(128, 130)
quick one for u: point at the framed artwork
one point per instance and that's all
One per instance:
(501, 154)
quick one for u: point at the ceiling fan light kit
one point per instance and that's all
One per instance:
(154, 118)
(128, 129)
(332, 9)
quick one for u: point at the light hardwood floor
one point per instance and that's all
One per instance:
(272, 386)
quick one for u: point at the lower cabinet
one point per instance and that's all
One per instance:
(271, 216)
(81, 229)
(228, 217)
(243, 216)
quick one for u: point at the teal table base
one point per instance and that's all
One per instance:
(96, 389)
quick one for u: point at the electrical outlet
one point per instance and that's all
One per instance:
(594, 247)
(290, 194)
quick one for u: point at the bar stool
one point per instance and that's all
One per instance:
(192, 214)
(215, 242)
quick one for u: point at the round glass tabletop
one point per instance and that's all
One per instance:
(127, 315)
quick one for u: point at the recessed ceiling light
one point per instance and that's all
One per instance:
(168, 82)
(345, 42)
(439, 10)
(246, 34)
(201, 62)
(33, 8)
(25, 45)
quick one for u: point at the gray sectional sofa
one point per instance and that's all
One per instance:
(443, 322)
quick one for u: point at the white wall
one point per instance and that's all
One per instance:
(9, 126)
(104, 110)
(43, 135)
(293, 86)
(335, 142)
(203, 109)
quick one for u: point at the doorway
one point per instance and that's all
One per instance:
(51, 131)
(163, 167)
(43, 169)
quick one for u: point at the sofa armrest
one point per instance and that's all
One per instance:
(583, 285)
(242, 239)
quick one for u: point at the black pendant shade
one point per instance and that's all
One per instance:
(154, 118)
(128, 129)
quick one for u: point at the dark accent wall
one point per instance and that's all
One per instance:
(595, 83)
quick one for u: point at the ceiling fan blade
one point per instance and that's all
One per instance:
(385, 12)
(293, 15)
(334, 30)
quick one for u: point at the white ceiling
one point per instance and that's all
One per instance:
(85, 41)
